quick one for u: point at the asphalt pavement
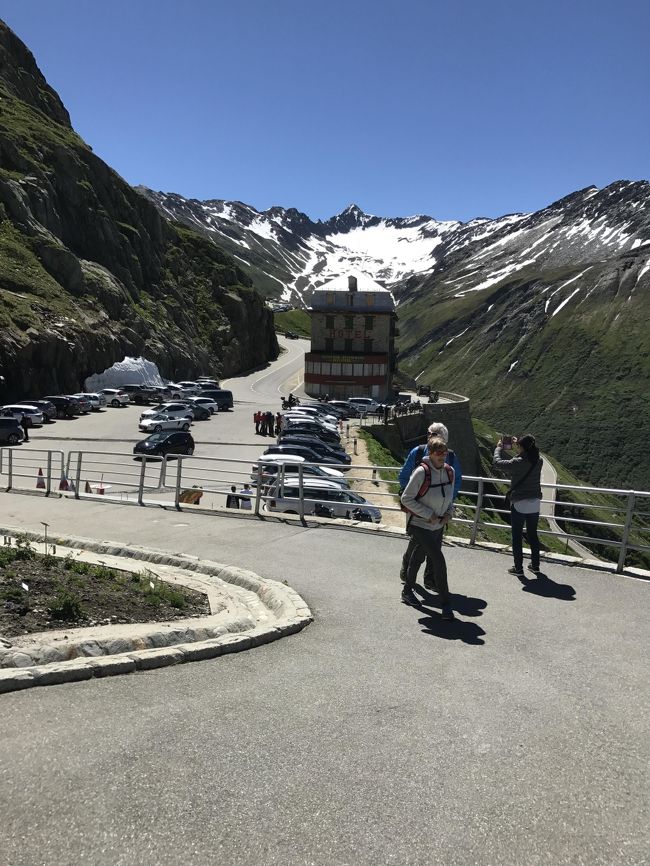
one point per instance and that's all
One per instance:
(379, 734)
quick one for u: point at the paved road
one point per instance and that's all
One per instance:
(380, 734)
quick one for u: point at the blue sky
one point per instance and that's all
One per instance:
(458, 109)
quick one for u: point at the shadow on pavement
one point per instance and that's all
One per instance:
(457, 629)
(465, 605)
(547, 588)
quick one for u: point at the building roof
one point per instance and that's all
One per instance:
(367, 292)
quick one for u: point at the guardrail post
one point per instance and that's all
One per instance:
(258, 494)
(10, 469)
(477, 514)
(143, 469)
(631, 501)
(301, 500)
(179, 475)
(163, 473)
(77, 478)
(48, 481)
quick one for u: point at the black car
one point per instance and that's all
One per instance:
(46, 407)
(65, 407)
(342, 406)
(11, 433)
(221, 397)
(303, 451)
(201, 413)
(327, 452)
(315, 429)
(160, 444)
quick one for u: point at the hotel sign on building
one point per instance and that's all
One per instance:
(352, 340)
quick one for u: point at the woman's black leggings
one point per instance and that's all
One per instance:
(530, 521)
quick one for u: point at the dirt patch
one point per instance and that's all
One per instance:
(38, 593)
(361, 482)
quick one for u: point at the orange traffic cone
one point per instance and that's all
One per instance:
(40, 481)
(63, 484)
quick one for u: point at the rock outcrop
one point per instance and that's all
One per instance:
(90, 271)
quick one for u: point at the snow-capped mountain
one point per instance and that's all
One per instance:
(541, 318)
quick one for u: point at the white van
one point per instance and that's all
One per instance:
(272, 464)
(284, 496)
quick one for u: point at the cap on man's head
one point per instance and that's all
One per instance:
(438, 429)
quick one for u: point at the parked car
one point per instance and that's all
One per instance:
(272, 464)
(97, 401)
(83, 403)
(156, 423)
(190, 387)
(296, 416)
(318, 430)
(200, 412)
(207, 402)
(327, 453)
(345, 408)
(116, 397)
(308, 453)
(11, 433)
(284, 496)
(139, 394)
(290, 335)
(173, 410)
(220, 396)
(162, 444)
(46, 408)
(365, 405)
(65, 407)
(19, 410)
(207, 382)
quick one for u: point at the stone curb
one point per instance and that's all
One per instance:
(277, 610)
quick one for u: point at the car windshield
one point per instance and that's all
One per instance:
(156, 437)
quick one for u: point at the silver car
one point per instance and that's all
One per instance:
(160, 422)
(18, 410)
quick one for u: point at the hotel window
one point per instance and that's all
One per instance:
(367, 345)
(350, 300)
(370, 299)
(329, 344)
(336, 369)
(369, 323)
(346, 369)
(325, 368)
(329, 322)
(358, 370)
(349, 323)
(330, 299)
(347, 345)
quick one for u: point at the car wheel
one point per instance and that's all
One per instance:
(60, 413)
(157, 428)
(185, 427)
(13, 439)
(190, 451)
(115, 403)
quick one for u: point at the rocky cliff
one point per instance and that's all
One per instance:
(90, 271)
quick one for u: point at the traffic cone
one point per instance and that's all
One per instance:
(40, 480)
(63, 484)
(71, 486)
(88, 488)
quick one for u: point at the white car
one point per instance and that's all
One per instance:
(160, 422)
(34, 415)
(363, 404)
(172, 410)
(190, 387)
(284, 495)
(289, 418)
(209, 404)
(97, 401)
(116, 397)
(273, 464)
(316, 414)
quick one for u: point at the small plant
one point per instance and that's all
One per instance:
(65, 606)
(48, 561)
(24, 549)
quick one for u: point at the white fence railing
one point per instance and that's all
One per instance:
(183, 481)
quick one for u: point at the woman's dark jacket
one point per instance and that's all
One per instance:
(516, 468)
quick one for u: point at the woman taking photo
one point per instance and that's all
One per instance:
(525, 470)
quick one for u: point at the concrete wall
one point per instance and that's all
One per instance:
(405, 432)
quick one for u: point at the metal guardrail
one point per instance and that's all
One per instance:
(182, 481)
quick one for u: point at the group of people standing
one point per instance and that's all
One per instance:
(267, 424)
(430, 480)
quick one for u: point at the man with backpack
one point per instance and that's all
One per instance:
(415, 457)
(429, 499)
